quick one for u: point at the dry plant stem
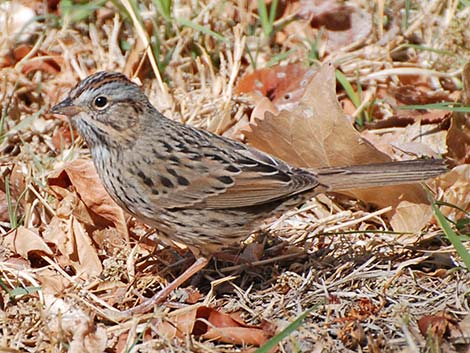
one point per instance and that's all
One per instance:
(144, 37)
(197, 266)
(409, 71)
(359, 220)
(380, 15)
(258, 263)
(30, 54)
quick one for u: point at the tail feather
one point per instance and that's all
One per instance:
(380, 174)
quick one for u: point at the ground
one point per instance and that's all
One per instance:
(372, 271)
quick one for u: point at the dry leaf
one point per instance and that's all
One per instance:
(326, 13)
(4, 214)
(231, 329)
(262, 104)
(413, 141)
(23, 241)
(417, 91)
(253, 252)
(63, 136)
(344, 25)
(410, 217)
(318, 134)
(137, 58)
(454, 188)
(236, 335)
(421, 149)
(212, 324)
(458, 136)
(50, 282)
(65, 319)
(82, 175)
(74, 243)
(413, 94)
(283, 85)
(461, 333)
(43, 61)
(352, 335)
(436, 326)
(86, 253)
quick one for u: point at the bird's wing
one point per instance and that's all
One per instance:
(262, 179)
(204, 170)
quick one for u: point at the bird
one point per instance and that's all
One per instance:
(195, 187)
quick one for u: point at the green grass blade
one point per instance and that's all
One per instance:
(348, 88)
(406, 16)
(19, 291)
(163, 8)
(276, 59)
(274, 341)
(447, 204)
(363, 114)
(352, 94)
(314, 52)
(263, 16)
(250, 57)
(77, 12)
(463, 4)
(272, 13)
(451, 106)
(199, 28)
(453, 237)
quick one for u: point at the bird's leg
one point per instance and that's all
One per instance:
(197, 266)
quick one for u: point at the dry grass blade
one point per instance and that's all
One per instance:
(131, 9)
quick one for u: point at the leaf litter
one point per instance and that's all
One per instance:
(376, 287)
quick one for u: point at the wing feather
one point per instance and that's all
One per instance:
(222, 173)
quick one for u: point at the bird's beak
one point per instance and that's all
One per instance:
(66, 107)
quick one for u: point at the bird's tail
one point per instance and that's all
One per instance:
(380, 174)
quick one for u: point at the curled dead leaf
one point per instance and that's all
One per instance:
(81, 174)
(458, 138)
(283, 85)
(352, 335)
(410, 218)
(23, 241)
(416, 140)
(210, 323)
(436, 326)
(4, 215)
(454, 189)
(74, 244)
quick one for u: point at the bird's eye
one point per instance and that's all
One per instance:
(101, 102)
